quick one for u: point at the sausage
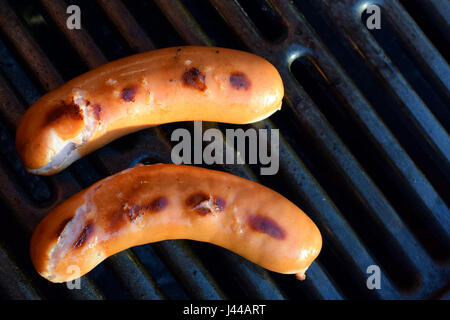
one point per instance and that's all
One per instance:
(161, 86)
(152, 203)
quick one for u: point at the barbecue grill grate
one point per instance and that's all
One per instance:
(364, 146)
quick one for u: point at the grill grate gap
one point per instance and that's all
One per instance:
(430, 24)
(36, 187)
(161, 273)
(295, 289)
(422, 81)
(102, 31)
(107, 281)
(333, 106)
(153, 21)
(213, 260)
(217, 29)
(266, 19)
(17, 77)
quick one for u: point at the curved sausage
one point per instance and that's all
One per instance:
(148, 89)
(157, 202)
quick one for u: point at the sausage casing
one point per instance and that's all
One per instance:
(161, 86)
(157, 202)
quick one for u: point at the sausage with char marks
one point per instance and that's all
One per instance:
(144, 90)
(157, 202)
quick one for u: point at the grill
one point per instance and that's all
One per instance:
(364, 145)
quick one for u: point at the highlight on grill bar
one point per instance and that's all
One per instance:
(364, 146)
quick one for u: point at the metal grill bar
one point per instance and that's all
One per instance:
(13, 280)
(420, 115)
(127, 25)
(418, 44)
(27, 47)
(183, 22)
(372, 124)
(81, 41)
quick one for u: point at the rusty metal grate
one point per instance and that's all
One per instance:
(364, 146)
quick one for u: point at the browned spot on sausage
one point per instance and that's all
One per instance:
(128, 94)
(196, 198)
(137, 210)
(62, 226)
(219, 203)
(97, 109)
(202, 210)
(71, 111)
(266, 225)
(134, 212)
(84, 235)
(158, 204)
(194, 78)
(205, 204)
(239, 80)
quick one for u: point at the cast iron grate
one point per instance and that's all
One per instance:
(364, 145)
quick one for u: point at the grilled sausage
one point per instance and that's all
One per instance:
(165, 201)
(148, 89)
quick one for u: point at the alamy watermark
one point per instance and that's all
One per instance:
(374, 280)
(374, 19)
(74, 20)
(76, 272)
(237, 147)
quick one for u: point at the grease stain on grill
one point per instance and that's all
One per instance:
(156, 205)
(266, 225)
(194, 79)
(84, 236)
(204, 204)
(239, 80)
(128, 94)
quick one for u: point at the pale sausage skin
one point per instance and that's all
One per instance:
(161, 86)
(157, 202)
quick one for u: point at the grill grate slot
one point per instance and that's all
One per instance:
(423, 81)
(268, 22)
(213, 24)
(433, 19)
